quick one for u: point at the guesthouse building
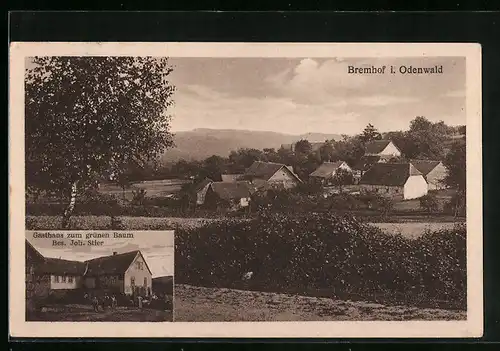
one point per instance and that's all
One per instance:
(126, 273)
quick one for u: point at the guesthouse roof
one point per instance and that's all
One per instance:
(112, 264)
(58, 266)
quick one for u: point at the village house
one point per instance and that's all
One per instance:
(126, 273)
(433, 171)
(325, 173)
(277, 174)
(396, 180)
(378, 151)
(382, 148)
(228, 195)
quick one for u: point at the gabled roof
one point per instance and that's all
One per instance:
(231, 191)
(376, 146)
(265, 170)
(390, 174)
(425, 166)
(231, 177)
(326, 169)
(61, 267)
(35, 254)
(114, 264)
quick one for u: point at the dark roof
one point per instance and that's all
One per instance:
(376, 146)
(231, 177)
(265, 170)
(114, 264)
(202, 184)
(390, 174)
(230, 191)
(61, 267)
(326, 170)
(34, 253)
(425, 166)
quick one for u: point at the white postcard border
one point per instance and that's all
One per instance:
(472, 327)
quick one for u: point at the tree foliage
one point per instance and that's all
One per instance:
(89, 118)
(455, 162)
(370, 133)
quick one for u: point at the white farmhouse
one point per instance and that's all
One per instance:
(396, 180)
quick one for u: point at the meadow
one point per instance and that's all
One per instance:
(409, 230)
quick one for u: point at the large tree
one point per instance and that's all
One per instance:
(370, 133)
(303, 147)
(425, 139)
(455, 162)
(89, 117)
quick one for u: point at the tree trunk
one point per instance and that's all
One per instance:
(71, 206)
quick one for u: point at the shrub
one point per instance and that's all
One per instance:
(335, 256)
(456, 206)
(429, 203)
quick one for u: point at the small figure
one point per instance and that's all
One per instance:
(95, 304)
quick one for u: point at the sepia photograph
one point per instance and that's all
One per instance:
(323, 189)
(99, 276)
(325, 184)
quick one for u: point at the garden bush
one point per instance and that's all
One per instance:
(317, 252)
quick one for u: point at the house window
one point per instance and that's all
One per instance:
(145, 281)
(70, 279)
(56, 279)
(139, 265)
(63, 279)
(132, 281)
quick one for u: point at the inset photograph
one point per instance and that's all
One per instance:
(99, 276)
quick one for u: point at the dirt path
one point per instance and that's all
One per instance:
(217, 305)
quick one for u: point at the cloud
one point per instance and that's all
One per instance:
(384, 100)
(314, 82)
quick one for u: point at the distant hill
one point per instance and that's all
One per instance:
(199, 144)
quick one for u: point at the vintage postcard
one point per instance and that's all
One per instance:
(245, 190)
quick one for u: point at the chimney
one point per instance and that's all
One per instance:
(114, 253)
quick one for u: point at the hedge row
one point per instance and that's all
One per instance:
(325, 255)
(104, 209)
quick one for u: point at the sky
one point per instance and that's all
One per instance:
(157, 247)
(302, 95)
(310, 95)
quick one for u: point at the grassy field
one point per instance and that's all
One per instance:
(409, 229)
(226, 305)
(80, 313)
(153, 188)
